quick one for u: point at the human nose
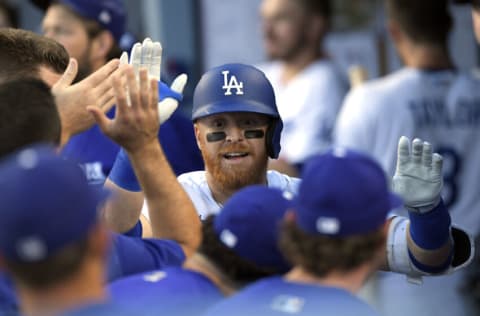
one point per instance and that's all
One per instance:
(234, 134)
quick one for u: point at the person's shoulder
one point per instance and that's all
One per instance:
(193, 178)
(468, 80)
(326, 67)
(269, 67)
(375, 91)
(282, 181)
(251, 300)
(172, 291)
(196, 185)
(194, 182)
(326, 73)
(109, 308)
(167, 279)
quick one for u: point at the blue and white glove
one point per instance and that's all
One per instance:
(418, 179)
(418, 176)
(149, 55)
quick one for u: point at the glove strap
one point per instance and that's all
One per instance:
(424, 208)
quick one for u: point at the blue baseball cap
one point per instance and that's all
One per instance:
(249, 225)
(343, 193)
(110, 14)
(46, 204)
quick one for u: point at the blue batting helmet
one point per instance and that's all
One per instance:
(238, 88)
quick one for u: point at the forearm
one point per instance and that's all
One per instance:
(429, 240)
(123, 211)
(172, 214)
(417, 257)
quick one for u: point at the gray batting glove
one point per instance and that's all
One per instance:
(149, 55)
(418, 176)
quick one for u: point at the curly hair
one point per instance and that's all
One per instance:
(320, 255)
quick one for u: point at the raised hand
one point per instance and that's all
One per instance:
(418, 175)
(148, 55)
(72, 100)
(135, 125)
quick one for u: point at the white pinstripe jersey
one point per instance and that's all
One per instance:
(441, 107)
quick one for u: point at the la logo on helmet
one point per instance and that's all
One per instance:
(232, 83)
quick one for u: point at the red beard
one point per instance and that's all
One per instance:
(235, 177)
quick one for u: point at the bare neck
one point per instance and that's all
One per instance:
(350, 281)
(80, 289)
(422, 56)
(199, 263)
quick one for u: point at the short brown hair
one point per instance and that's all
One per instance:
(54, 269)
(318, 7)
(233, 266)
(320, 255)
(28, 115)
(23, 52)
(424, 21)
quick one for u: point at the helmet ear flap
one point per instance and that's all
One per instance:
(272, 139)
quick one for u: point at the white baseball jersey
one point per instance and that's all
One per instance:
(308, 105)
(441, 107)
(196, 186)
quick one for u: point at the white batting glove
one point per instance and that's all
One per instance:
(149, 55)
(418, 176)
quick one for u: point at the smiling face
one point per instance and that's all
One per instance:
(233, 158)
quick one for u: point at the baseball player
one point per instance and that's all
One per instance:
(333, 237)
(237, 128)
(430, 100)
(309, 87)
(239, 246)
(23, 121)
(93, 32)
(335, 234)
(57, 265)
(25, 54)
(464, 93)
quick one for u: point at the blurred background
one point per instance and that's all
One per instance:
(199, 34)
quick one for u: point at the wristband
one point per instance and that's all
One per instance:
(122, 173)
(430, 230)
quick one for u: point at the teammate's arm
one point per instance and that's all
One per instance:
(424, 244)
(135, 128)
(123, 213)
